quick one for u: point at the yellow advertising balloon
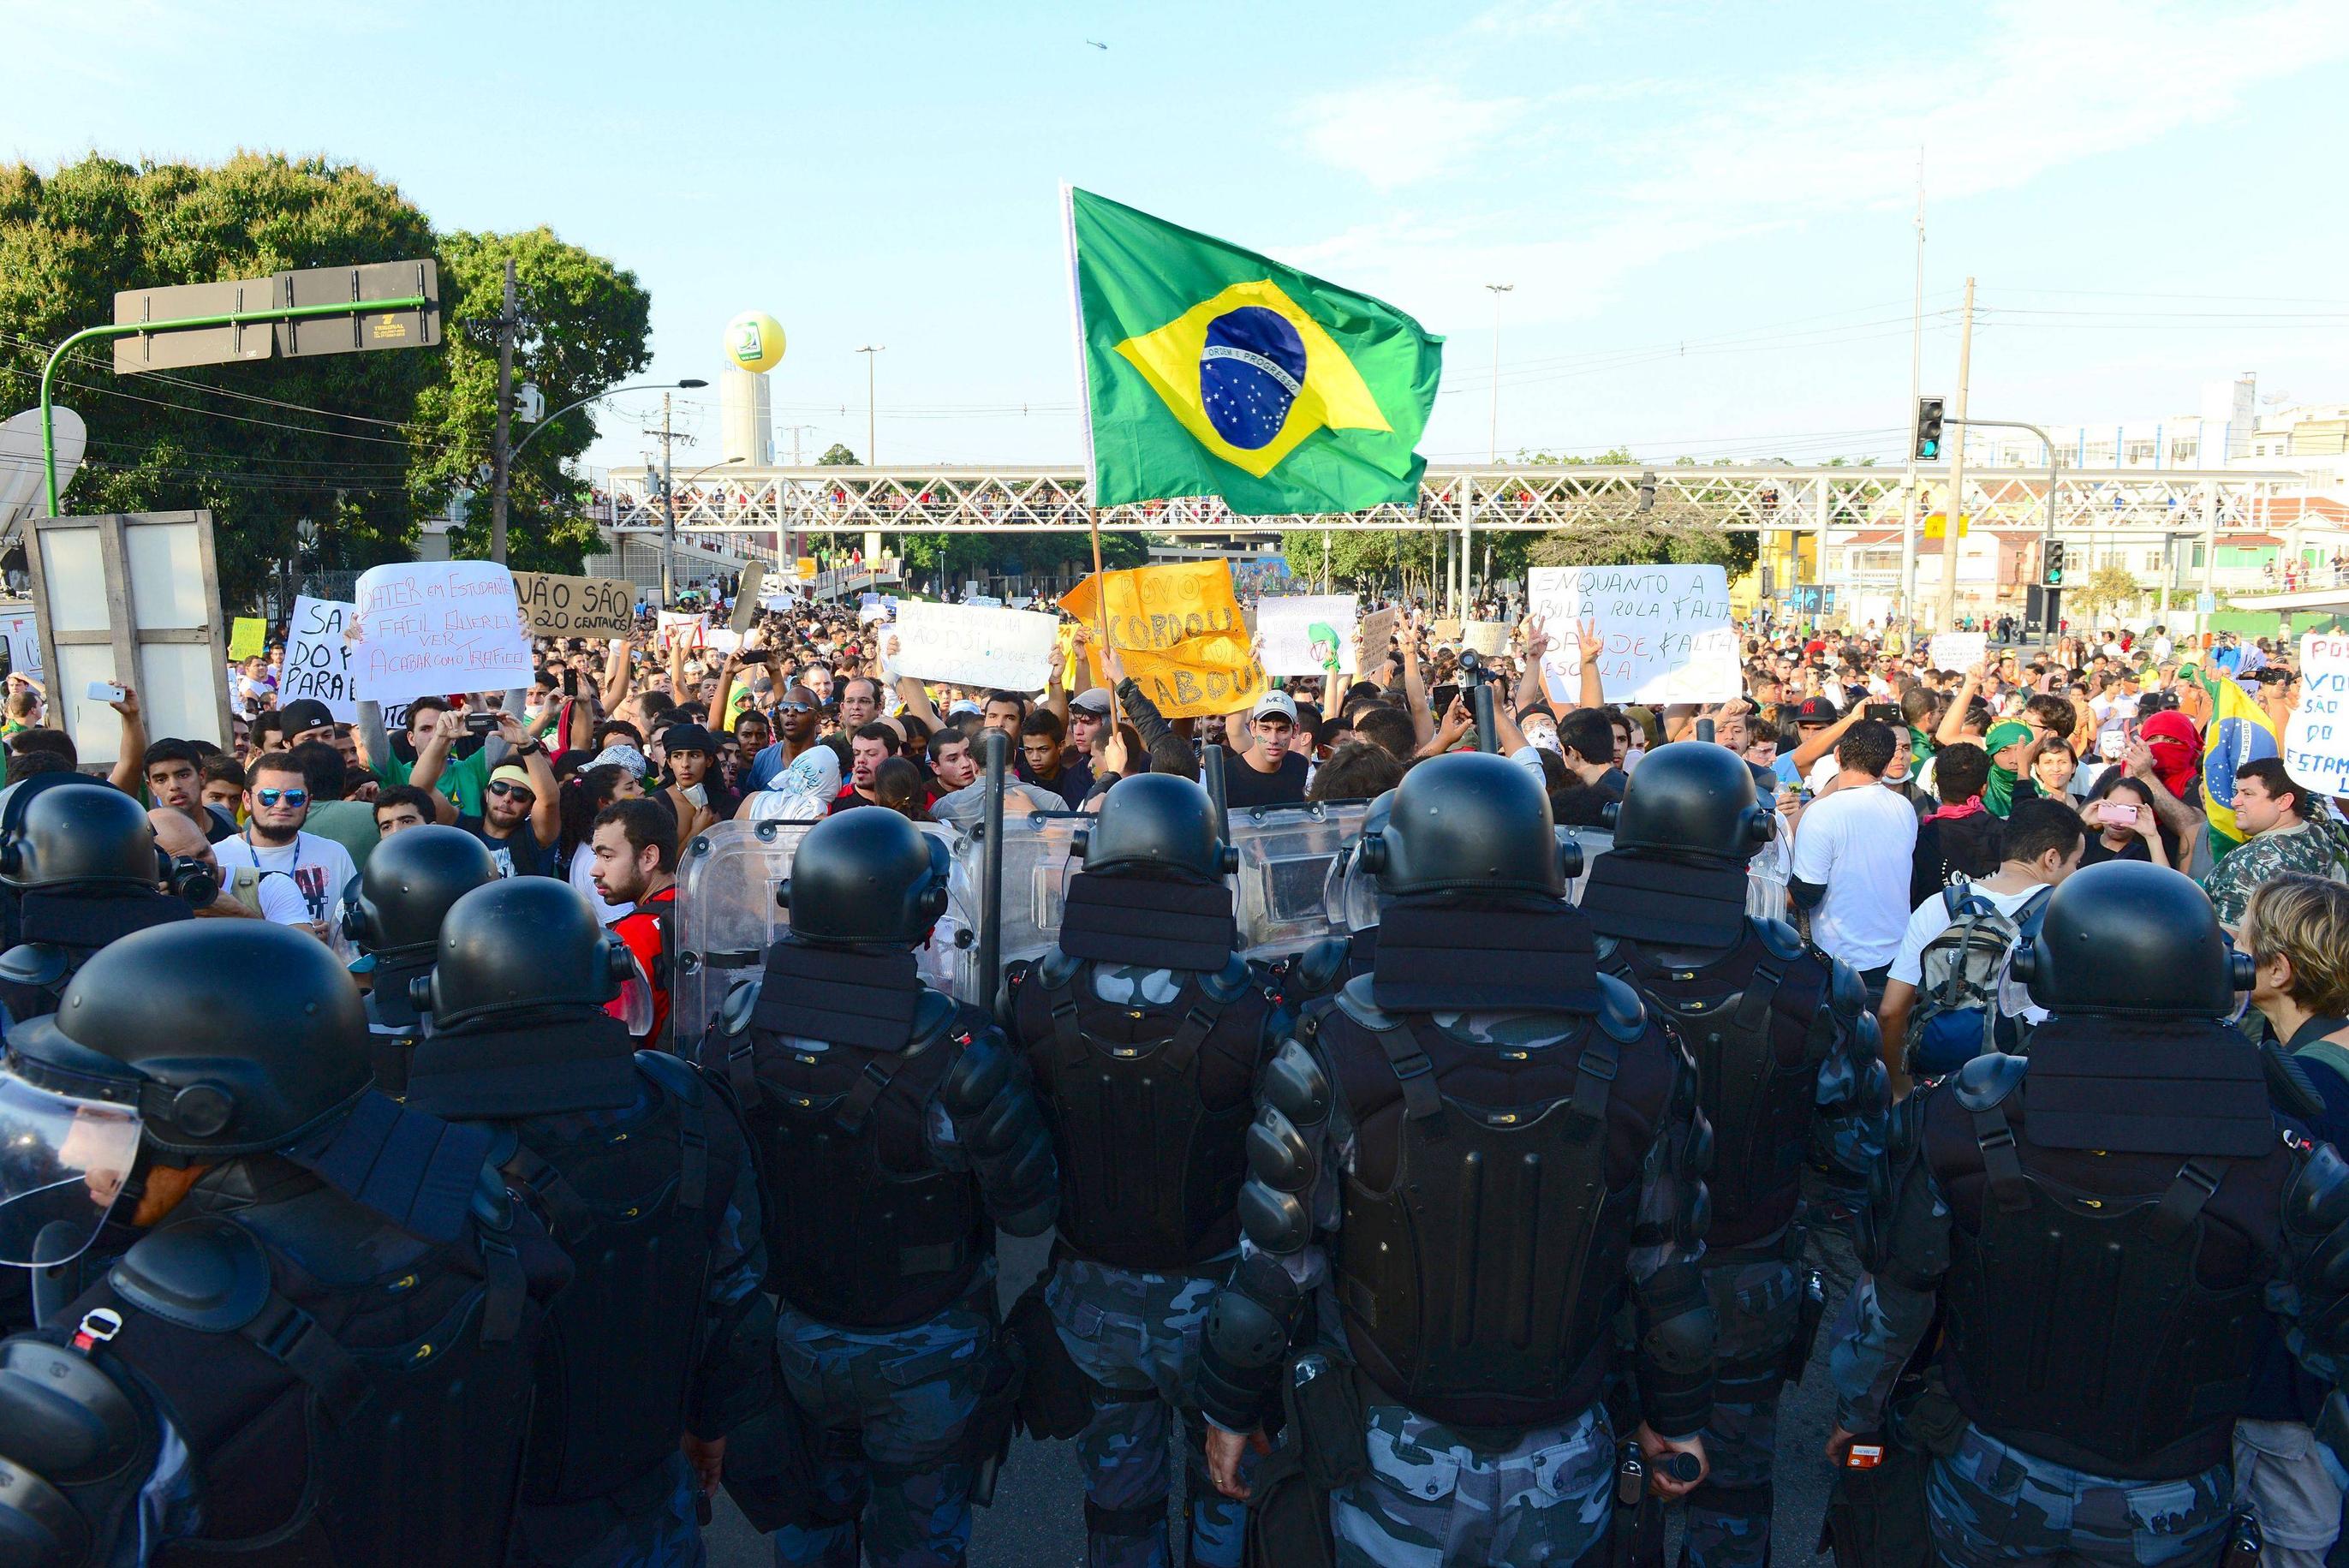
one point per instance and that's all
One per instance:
(754, 340)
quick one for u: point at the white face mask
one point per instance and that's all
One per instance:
(1541, 735)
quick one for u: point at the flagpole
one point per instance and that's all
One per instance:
(1092, 476)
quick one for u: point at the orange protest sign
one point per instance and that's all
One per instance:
(1178, 630)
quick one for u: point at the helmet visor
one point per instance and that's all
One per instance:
(1350, 892)
(63, 1163)
(634, 1006)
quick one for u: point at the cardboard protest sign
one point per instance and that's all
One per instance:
(2316, 740)
(1667, 630)
(1376, 633)
(439, 627)
(556, 605)
(1958, 651)
(245, 635)
(1305, 635)
(1177, 628)
(1012, 649)
(318, 659)
(1486, 639)
(21, 629)
(1446, 630)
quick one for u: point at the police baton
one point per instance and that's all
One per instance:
(1211, 774)
(997, 745)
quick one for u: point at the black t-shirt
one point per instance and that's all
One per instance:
(218, 825)
(2096, 855)
(520, 855)
(1244, 786)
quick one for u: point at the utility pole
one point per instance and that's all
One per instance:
(1493, 437)
(1953, 508)
(668, 437)
(1916, 389)
(795, 430)
(501, 457)
(869, 351)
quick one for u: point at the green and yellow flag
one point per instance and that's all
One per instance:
(1211, 370)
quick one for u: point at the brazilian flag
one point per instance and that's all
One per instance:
(1211, 370)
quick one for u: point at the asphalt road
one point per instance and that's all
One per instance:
(1038, 1517)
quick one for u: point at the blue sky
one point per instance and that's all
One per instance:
(1706, 211)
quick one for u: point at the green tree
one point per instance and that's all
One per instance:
(583, 327)
(2108, 588)
(837, 456)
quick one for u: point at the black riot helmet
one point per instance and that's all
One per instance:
(225, 1036)
(865, 876)
(60, 830)
(517, 943)
(1156, 822)
(396, 906)
(1467, 822)
(2129, 938)
(1693, 801)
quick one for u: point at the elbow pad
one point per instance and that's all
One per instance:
(1316, 971)
(2316, 1246)
(1244, 1341)
(1676, 1350)
(1003, 1133)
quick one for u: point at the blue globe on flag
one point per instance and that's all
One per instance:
(1251, 372)
(2233, 742)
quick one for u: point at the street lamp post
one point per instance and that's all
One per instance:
(2047, 521)
(668, 526)
(870, 351)
(502, 470)
(1493, 439)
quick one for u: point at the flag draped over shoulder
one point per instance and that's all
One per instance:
(2239, 732)
(1211, 370)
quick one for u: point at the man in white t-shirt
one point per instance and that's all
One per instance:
(2042, 842)
(1852, 852)
(277, 800)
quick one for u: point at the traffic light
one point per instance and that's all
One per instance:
(2052, 568)
(1929, 429)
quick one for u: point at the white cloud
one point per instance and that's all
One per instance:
(1401, 132)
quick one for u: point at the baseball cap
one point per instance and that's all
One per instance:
(963, 705)
(1816, 710)
(1274, 705)
(1093, 700)
(304, 713)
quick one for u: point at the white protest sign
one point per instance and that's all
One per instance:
(439, 627)
(1486, 639)
(317, 659)
(1010, 649)
(23, 630)
(1958, 651)
(676, 626)
(1302, 636)
(2316, 740)
(1667, 631)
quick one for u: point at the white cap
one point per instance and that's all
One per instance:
(1275, 702)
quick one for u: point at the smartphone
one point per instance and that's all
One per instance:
(480, 723)
(2120, 814)
(1884, 712)
(104, 691)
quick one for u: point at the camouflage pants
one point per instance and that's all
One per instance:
(898, 1407)
(1992, 1503)
(1139, 1333)
(1754, 1303)
(653, 1523)
(1431, 1500)
(2280, 1476)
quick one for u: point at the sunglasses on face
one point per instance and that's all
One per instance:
(290, 796)
(796, 706)
(512, 790)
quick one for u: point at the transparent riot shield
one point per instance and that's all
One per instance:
(1286, 854)
(1766, 874)
(1038, 859)
(727, 916)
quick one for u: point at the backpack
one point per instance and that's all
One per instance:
(1967, 1003)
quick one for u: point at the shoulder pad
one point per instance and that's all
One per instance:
(1846, 992)
(1620, 1012)
(206, 1274)
(674, 1074)
(1353, 999)
(40, 964)
(1314, 971)
(69, 1422)
(1983, 1082)
(1056, 969)
(1782, 941)
(2316, 1203)
(1904, 1128)
(734, 1013)
(1294, 1082)
(1229, 982)
(935, 1013)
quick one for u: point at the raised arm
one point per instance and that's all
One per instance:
(131, 766)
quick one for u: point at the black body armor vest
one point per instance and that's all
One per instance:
(1749, 1018)
(864, 1229)
(348, 1392)
(1148, 1105)
(2084, 1325)
(61, 930)
(1487, 1221)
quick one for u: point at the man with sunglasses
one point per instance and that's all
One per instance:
(797, 718)
(521, 816)
(276, 803)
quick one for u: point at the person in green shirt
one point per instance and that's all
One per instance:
(462, 777)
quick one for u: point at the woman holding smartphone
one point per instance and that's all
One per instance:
(2121, 824)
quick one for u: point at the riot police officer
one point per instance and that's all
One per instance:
(1146, 1032)
(1787, 1070)
(1479, 1150)
(321, 1350)
(643, 1172)
(392, 913)
(1353, 897)
(2097, 1224)
(79, 863)
(895, 1131)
